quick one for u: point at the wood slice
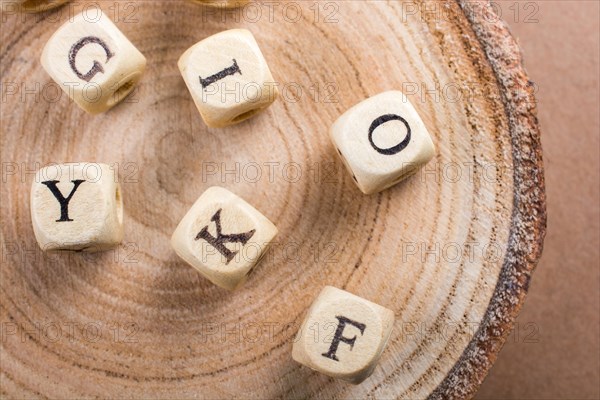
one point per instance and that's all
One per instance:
(450, 250)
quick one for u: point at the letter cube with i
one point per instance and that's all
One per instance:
(223, 237)
(382, 141)
(361, 331)
(93, 62)
(228, 77)
(77, 206)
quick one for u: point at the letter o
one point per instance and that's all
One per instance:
(394, 149)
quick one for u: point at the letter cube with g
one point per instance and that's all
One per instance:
(223, 237)
(93, 62)
(228, 77)
(382, 140)
(76, 206)
(360, 330)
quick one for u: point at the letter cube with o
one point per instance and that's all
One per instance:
(223, 237)
(228, 77)
(360, 328)
(93, 62)
(76, 206)
(382, 140)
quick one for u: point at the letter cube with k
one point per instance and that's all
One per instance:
(223, 237)
(360, 330)
(77, 206)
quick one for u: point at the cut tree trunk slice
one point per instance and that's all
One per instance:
(450, 250)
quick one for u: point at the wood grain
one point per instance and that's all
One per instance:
(450, 255)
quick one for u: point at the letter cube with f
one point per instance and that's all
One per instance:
(223, 237)
(228, 77)
(77, 206)
(382, 140)
(93, 62)
(360, 329)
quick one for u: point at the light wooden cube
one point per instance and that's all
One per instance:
(228, 77)
(77, 206)
(343, 335)
(93, 62)
(29, 6)
(382, 140)
(223, 237)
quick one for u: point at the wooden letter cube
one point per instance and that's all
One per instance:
(93, 62)
(228, 77)
(223, 237)
(382, 140)
(77, 206)
(343, 335)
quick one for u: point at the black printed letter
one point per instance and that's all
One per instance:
(382, 120)
(337, 337)
(64, 201)
(218, 242)
(220, 75)
(97, 67)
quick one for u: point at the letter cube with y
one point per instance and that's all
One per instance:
(360, 330)
(93, 62)
(77, 206)
(223, 237)
(382, 140)
(228, 77)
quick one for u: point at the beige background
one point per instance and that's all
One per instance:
(554, 351)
